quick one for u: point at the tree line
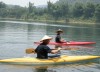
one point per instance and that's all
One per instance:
(53, 11)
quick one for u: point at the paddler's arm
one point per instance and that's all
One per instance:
(55, 51)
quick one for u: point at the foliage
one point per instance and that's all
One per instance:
(2, 5)
(97, 13)
(89, 10)
(61, 10)
(78, 10)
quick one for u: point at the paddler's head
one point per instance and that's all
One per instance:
(46, 39)
(59, 31)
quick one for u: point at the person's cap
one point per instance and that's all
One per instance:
(59, 30)
(45, 38)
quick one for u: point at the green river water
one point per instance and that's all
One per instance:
(17, 36)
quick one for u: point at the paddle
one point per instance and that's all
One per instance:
(32, 50)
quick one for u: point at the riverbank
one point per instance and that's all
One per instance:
(70, 21)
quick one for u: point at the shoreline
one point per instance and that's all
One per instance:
(71, 21)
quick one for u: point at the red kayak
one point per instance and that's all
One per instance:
(69, 43)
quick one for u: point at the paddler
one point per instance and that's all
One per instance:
(42, 50)
(58, 38)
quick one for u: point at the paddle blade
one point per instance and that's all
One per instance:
(30, 50)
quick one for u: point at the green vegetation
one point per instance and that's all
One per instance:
(62, 11)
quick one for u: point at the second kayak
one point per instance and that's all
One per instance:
(69, 43)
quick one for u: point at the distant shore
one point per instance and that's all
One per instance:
(71, 21)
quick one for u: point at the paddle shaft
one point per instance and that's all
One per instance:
(32, 50)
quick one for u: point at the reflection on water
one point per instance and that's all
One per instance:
(87, 67)
(41, 69)
(15, 37)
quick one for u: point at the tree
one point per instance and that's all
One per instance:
(2, 5)
(89, 10)
(97, 13)
(64, 9)
(78, 10)
(50, 7)
(31, 10)
(56, 12)
(3, 11)
(53, 10)
(15, 11)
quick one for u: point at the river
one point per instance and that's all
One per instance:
(16, 36)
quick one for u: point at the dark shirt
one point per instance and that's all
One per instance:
(58, 38)
(42, 51)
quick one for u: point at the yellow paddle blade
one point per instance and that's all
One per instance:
(30, 50)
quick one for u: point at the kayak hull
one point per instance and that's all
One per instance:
(69, 43)
(59, 60)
